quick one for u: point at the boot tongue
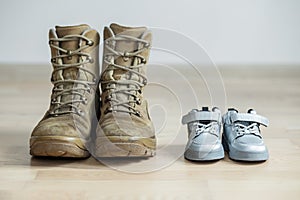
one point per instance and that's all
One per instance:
(124, 30)
(71, 73)
(62, 31)
(126, 45)
(123, 46)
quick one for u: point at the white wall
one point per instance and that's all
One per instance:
(251, 31)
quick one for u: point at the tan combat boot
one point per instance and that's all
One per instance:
(65, 129)
(125, 128)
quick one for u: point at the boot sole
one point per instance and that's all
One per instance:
(115, 146)
(58, 146)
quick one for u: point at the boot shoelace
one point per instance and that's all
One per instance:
(138, 62)
(242, 130)
(59, 91)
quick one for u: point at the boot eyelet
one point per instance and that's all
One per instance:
(80, 112)
(53, 60)
(144, 61)
(84, 100)
(90, 43)
(69, 53)
(90, 59)
(88, 89)
(138, 113)
(50, 42)
(107, 99)
(125, 56)
(138, 101)
(55, 88)
(108, 110)
(53, 113)
(110, 86)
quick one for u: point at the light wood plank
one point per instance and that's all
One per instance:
(273, 91)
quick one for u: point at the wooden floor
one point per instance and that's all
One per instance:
(273, 91)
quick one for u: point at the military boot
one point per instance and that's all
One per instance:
(125, 128)
(65, 129)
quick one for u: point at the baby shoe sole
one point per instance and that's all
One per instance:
(247, 156)
(203, 156)
(244, 156)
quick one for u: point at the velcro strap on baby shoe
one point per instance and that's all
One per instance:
(201, 116)
(250, 118)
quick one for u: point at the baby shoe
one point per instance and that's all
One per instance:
(204, 135)
(242, 137)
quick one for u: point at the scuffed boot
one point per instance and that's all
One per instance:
(125, 128)
(65, 129)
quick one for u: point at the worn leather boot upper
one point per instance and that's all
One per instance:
(125, 120)
(66, 126)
